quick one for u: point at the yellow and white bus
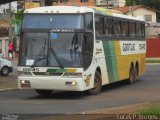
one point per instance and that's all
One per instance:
(73, 48)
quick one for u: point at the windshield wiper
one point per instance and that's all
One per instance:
(38, 59)
(56, 58)
(41, 53)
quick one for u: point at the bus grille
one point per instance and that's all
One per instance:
(47, 73)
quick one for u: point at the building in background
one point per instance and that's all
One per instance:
(4, 26)
(102, 3)
(110, 3)
(4, 8)
(149, 14)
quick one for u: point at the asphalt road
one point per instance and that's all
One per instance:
(146, 89)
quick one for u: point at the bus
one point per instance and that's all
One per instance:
(71, 48)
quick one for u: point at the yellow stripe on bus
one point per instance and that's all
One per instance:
(70, 70)
(124, 62)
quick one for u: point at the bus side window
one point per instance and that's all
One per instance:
(99, 24)
(138, 30)
(106, 27)
(89, 21)
(110, 27)
(132, 29)
(125, 29)
(143, 29)
(117, 28)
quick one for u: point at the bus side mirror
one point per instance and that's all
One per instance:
(16, 44)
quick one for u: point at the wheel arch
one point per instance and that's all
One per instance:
(4, 67)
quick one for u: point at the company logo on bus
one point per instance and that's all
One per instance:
(129, 47)
(132, 47)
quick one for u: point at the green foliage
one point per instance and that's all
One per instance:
(18, 17)
(130, 2)
(154, 110)
(150, 3)
(152, 61)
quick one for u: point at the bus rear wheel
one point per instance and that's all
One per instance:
(44, 92)
(136, 72)
(131, 78)
(97, 84)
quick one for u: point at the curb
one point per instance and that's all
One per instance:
(152, 63)
(116, 110)
(8, 89)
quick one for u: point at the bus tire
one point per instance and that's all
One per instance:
(44, 92)
(136, 72)
(97, 84)
(131, 78)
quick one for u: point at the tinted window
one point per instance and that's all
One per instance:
(99, 26)
(89, 21)
(143, 29)
(117, 28)
(131, 29)
(106, 27)
(138, 29)
(110, 27)
(125, 28)
(53, 21)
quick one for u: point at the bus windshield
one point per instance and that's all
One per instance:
(44, 21)
(53, 40)
(60, 49)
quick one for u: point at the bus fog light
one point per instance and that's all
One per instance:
(25, 84)
(71, 83)
(24, 81)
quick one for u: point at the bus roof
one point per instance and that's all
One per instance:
(82, 9)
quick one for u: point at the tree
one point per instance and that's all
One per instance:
(18, 17)
(130, 2)
(17, 20)
(150, 3)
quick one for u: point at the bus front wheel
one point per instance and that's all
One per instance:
(44, 92)
(97, 84)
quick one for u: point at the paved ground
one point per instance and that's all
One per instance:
(9, 82)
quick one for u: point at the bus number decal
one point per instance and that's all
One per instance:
(31, 69)
(142, 46)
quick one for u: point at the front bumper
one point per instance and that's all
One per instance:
(51, 83)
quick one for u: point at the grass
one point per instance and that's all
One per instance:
(152, 61)
(151, 110)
